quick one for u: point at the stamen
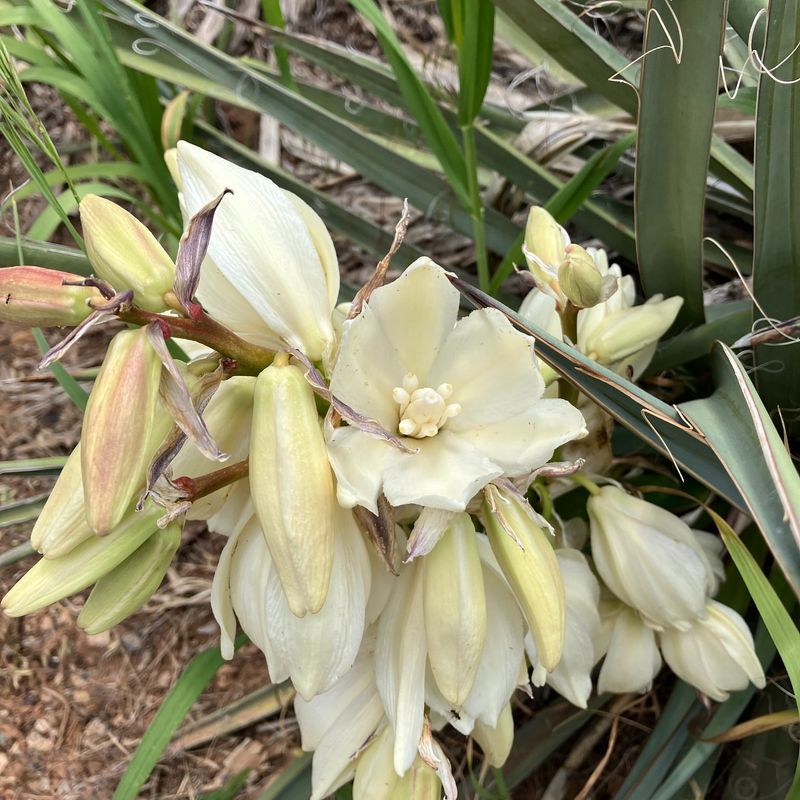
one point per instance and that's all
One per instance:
(422, 412)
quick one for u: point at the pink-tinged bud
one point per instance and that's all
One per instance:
(125, 254)
(38, 296)
(115, 440)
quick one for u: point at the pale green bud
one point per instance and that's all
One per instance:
(126, 588)
(531, 569)
(420, 783)
(38, 296)
(53, 579)
(496, 742)
(544, 250)
(579, 278)
(292, 485)
(117, 425)
(125, 254)
(455, 610)
(375, 777)
(62, 524)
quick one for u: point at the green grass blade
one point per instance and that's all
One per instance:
(676, 117)
(419, 102)
(231, 788)
(181, 697)
(22, 511)
(65, 380)
(44, 254)
(294, 783)
(474, 57)
(776, 251)
(737, 427)
(49, 465)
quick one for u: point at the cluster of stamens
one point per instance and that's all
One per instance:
(423, 411)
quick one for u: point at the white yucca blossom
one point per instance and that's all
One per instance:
(716, 655)
(616, 332)
(650, 559)
(464, 394)
(315, 650)
(271, 273)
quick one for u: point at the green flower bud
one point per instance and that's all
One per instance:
(126, 588)
(115, 439)
(420, 783)
(496, 742)
(292, 485)
(579, 278)
(125, 254)
(38, 296)
(52, 579)
(531, 569)
(544, 248)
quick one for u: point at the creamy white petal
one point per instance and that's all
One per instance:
(444, 711)
(359, 462)
(400, 660)
(503, 653)
(272, 259)
(632, 660)
(317, 649)
(523, 442)
(417, 312)
(251, 567)
(540, 309)
(375, 776)
(491, 367)
(237, 509)
(445, 473)
(428, 529)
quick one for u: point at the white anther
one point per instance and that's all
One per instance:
(422, 412)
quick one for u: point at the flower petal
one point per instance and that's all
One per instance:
(633, 659)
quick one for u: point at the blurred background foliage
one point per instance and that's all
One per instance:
(665, 131)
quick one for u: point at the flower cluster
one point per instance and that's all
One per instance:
(371, 468)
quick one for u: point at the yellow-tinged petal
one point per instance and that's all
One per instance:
(496, 742)
(531, 569)
(375, 776)
(292, 486)
(455, 610)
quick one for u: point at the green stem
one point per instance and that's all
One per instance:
(476, 207)
(587, 483)
(569, 328)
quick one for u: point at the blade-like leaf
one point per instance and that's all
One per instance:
(776, 251)
(294, 783)
(49, 465)
(474, 57)
(737, 427)
(72, 388)
(676, 117)
(44, 254)
(22, 511)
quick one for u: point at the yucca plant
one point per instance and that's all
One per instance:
(722, 440)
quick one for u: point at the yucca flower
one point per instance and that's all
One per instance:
(465, 395)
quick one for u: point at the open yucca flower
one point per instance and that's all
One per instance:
(385, 484)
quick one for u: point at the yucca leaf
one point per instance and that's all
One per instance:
(294, 783)
(474, 57)
(676, 117)
(742, 13)
(49, 465)
(22, 511)
(776, 251)
(43, 254)
(70, 386)
(737, 427)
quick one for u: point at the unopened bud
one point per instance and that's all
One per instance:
(292, 485)
(544, 247)
(38, 296)
(375, 778)
(53, 579)
(124, 253)
(420, 783)
(62, 524)
(119, 418)
(531, 569)
(455, 610)
(126, 588)
(496, 742)
(579, 278)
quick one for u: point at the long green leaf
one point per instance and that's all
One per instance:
(474, 57)
(49, 465)
(182, 696)
(776, 251)
(676, 117)
(419, 102)
(294, 783)
(44, 254)
(22, 511)
(66, 381)
(737, 427)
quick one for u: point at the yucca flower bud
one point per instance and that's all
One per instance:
(52, 579)
(292, 485)
(115, 436)
(716, 654)
(580, 279)
(649, 558)
(420, 783)
(531, 569)
(375, 778)
(622, 333)
(38, 296)
(126, 588)
(62, 523)
(124, 253)
(455, 610)
(496, 742)
(544, 250)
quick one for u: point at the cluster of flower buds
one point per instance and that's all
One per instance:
(370, 466)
